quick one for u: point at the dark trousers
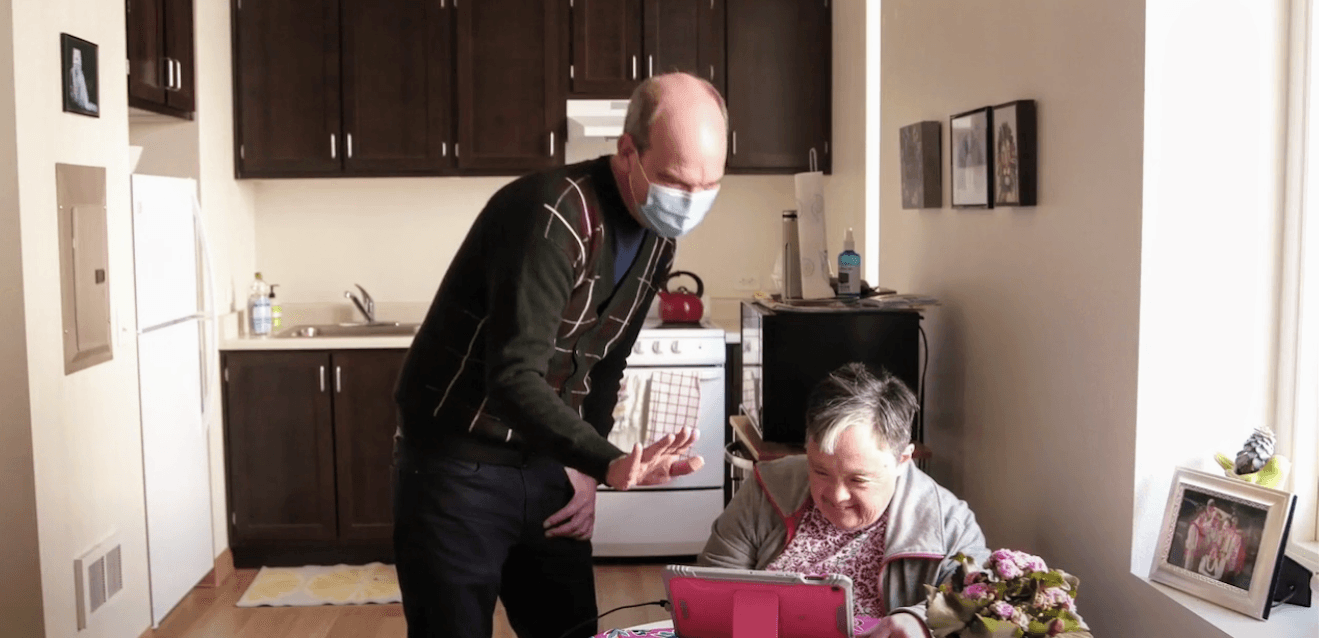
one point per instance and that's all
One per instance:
(466, 533)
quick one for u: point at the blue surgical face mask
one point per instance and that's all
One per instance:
(673, 212)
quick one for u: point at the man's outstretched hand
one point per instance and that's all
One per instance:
(656, 464)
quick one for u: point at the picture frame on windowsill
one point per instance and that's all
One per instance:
(1222, 540)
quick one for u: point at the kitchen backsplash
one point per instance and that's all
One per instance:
(396, 237)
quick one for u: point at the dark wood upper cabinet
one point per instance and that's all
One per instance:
(511, 91)
(606, 48)
(287, 90)
(364, 424)
(160, 56)
(397, 86)
(685, 35)
(778, 85)
(280, 447)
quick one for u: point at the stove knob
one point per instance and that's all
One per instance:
(657, 347)
(675, 348)
(636, 348)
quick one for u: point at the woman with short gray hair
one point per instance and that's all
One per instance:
(854, 504)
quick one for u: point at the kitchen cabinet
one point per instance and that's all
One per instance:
(343, 87)
(618, 43)
(511, 93)
(778, 85)
(309, 438)
(160, 56)
(606, 48)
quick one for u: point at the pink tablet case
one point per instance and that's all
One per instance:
(778, 606)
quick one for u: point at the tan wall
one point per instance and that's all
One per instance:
(1031, 404)
(20, 588)
(396, 236)
(227, 207)
(86, 434)
(169, 145)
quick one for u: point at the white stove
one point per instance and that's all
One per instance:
(672, 519)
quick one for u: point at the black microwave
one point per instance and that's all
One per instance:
(785, 353)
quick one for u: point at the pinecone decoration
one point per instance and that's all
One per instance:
(1256, 452)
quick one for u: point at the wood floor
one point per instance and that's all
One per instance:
(210, 613)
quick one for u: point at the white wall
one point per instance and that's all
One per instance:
(86, 437)
(396, 236)
(170, 145)
(20, 589)
(1033, 354)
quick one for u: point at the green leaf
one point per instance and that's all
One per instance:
(1000, 628)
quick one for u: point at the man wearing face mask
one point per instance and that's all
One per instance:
(507, 394)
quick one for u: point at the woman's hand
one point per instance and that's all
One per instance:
(899, 625)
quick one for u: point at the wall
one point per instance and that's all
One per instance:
(169, 145)
(86, 437)
(1032, 384)
(21, 609)
(228, 208)
(396, 236)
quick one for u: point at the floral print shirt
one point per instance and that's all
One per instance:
(820, 548)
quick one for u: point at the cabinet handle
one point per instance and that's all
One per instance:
(350, 145)
(735, 142)
(178, 76)
(338, 379)
(334, 147)
(322, 378)
(634, 67)
(650, 66)
(712, 73)
(551, 143)
(444, 149)
(169, 74)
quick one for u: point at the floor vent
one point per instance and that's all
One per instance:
(98, 575)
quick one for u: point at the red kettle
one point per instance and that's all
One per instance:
(682, 306)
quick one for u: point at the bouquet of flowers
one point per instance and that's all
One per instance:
(1015, 595)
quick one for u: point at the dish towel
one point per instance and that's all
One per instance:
(675, 403)
(630, 412)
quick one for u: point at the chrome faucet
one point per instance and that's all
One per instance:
(366, 304)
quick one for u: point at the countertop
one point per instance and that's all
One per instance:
(723, 313)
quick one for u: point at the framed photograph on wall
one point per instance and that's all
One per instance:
(969, 137)
(922, 181)
(1222, 540)
(1014, 153)
(78, 65)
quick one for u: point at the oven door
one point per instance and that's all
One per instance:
(641, 416)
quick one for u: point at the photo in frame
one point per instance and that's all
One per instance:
(79, 68)
(971, 159)
(1222, 540)
(1014, 153)
(922, 181)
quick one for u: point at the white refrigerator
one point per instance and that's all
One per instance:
(176, 363)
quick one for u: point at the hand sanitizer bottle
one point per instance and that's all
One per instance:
(849, 269)
(258, 307)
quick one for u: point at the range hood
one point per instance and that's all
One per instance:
(596, 118)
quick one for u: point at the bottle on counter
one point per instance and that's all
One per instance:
(258, 307)
(276, 311)
(849, 268)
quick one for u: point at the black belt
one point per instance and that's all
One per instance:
(415, 451)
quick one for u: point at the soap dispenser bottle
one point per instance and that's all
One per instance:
(849, 269)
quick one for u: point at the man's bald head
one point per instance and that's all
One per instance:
(678, 95)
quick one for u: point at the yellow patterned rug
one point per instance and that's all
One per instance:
(323, 585)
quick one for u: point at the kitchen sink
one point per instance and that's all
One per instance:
(378, 329)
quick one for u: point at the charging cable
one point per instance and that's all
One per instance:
(661, 603)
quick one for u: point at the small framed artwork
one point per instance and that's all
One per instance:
(1222, 540)
(922, 183)
(969, 135)
(1014, 153)
(78, 65)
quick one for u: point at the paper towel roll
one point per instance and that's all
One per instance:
(815, 260)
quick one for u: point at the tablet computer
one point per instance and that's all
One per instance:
(713, 602)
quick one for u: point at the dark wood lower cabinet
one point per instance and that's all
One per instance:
(309, 437)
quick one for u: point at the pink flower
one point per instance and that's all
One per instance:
(1053, 598)
(1002, 610)
(978, 591)
(1005, 564)
(974, 577)
(1033, 564)
(1057, 627)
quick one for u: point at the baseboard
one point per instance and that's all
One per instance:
(194, 605)
(224, 568)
